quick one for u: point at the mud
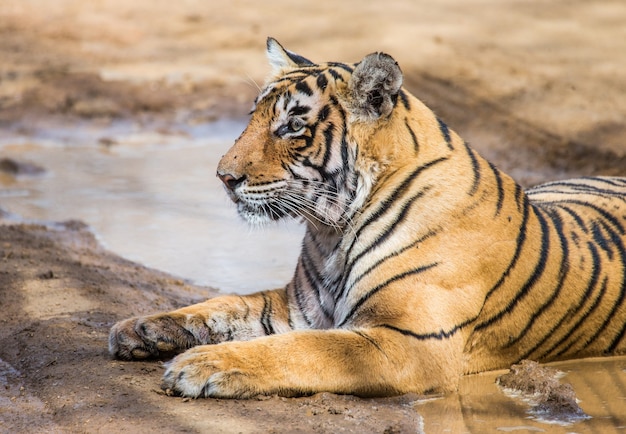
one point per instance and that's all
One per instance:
(538, 89)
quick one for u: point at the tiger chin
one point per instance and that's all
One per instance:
(421, 261)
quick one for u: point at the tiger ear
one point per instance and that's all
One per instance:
(373, 87)
(280, 58)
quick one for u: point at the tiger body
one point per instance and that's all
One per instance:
(421, 261)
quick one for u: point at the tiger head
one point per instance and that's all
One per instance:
(310, 149)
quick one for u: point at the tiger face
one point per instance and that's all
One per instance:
(297, 157)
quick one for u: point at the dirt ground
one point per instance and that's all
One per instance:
(539, 88)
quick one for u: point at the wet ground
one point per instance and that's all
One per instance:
(107, 115)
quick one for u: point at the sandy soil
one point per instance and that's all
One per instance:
(539, 89)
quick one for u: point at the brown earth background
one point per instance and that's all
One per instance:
(537, 87)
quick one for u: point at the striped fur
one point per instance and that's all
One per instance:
(421, 260)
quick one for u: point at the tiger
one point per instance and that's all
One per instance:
(421, 261)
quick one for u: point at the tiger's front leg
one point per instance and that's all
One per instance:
(221, 319)
(364, 362)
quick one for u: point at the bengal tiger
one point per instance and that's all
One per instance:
(421, 260)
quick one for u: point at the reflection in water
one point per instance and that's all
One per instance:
(154, 198)
(481, 407)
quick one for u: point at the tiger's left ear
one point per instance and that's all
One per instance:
(280, 58)
(374, 86)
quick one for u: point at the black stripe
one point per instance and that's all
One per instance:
(579, 221)
(475, 168)
(440, 335)
(582, 319)
(299, 301)
(563, 271)
(313, 280)
(446, 133)
(322, 81)
(593, 281)
(621, 196)
(286, 99)
(618, 337)
(532, 280)
(328, 143)
(622, 296)
(323, 113)
(404, 99)
(521, 238)
(345, 155)
(312, 235)
(304, 71)
(303, 87)
(579, 188)
(246, 315)
(607, 216)
(336, 75)
(343, 66)
(617, 182)
(416, 145)
(389, 256)
(383, 285)
(404, 209)
(385, 205)
(600, 240)
(520, 197)
(299, 110)
(266, 315)
(369, 339)
(496, 174)
(308, 142)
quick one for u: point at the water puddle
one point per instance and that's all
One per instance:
(482, 407)
(151, 196)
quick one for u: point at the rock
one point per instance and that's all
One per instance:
(14, 167)
(540, 386)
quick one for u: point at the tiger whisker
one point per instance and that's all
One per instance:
(328, 193)
(249, 80)
(289, 205)
(304, 203)
(303, 206)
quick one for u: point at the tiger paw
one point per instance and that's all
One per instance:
(148, 337)
(216, 371)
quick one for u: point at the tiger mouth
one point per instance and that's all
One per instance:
(265, 211)
(232, 196)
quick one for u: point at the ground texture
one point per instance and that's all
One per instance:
(539, 89)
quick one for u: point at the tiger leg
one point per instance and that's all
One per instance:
(365, 362)
(220, 319)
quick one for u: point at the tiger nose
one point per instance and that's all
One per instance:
(230, 181)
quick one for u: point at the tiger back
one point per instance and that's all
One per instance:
(421, 260)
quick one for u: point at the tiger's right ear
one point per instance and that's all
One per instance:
(280, 58)
(374, 86)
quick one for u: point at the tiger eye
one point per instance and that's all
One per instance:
(295, 124)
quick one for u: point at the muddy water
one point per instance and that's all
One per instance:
(151, 196)
(482, 407)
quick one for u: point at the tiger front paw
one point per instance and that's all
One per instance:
(217, 371)
(149, 337)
